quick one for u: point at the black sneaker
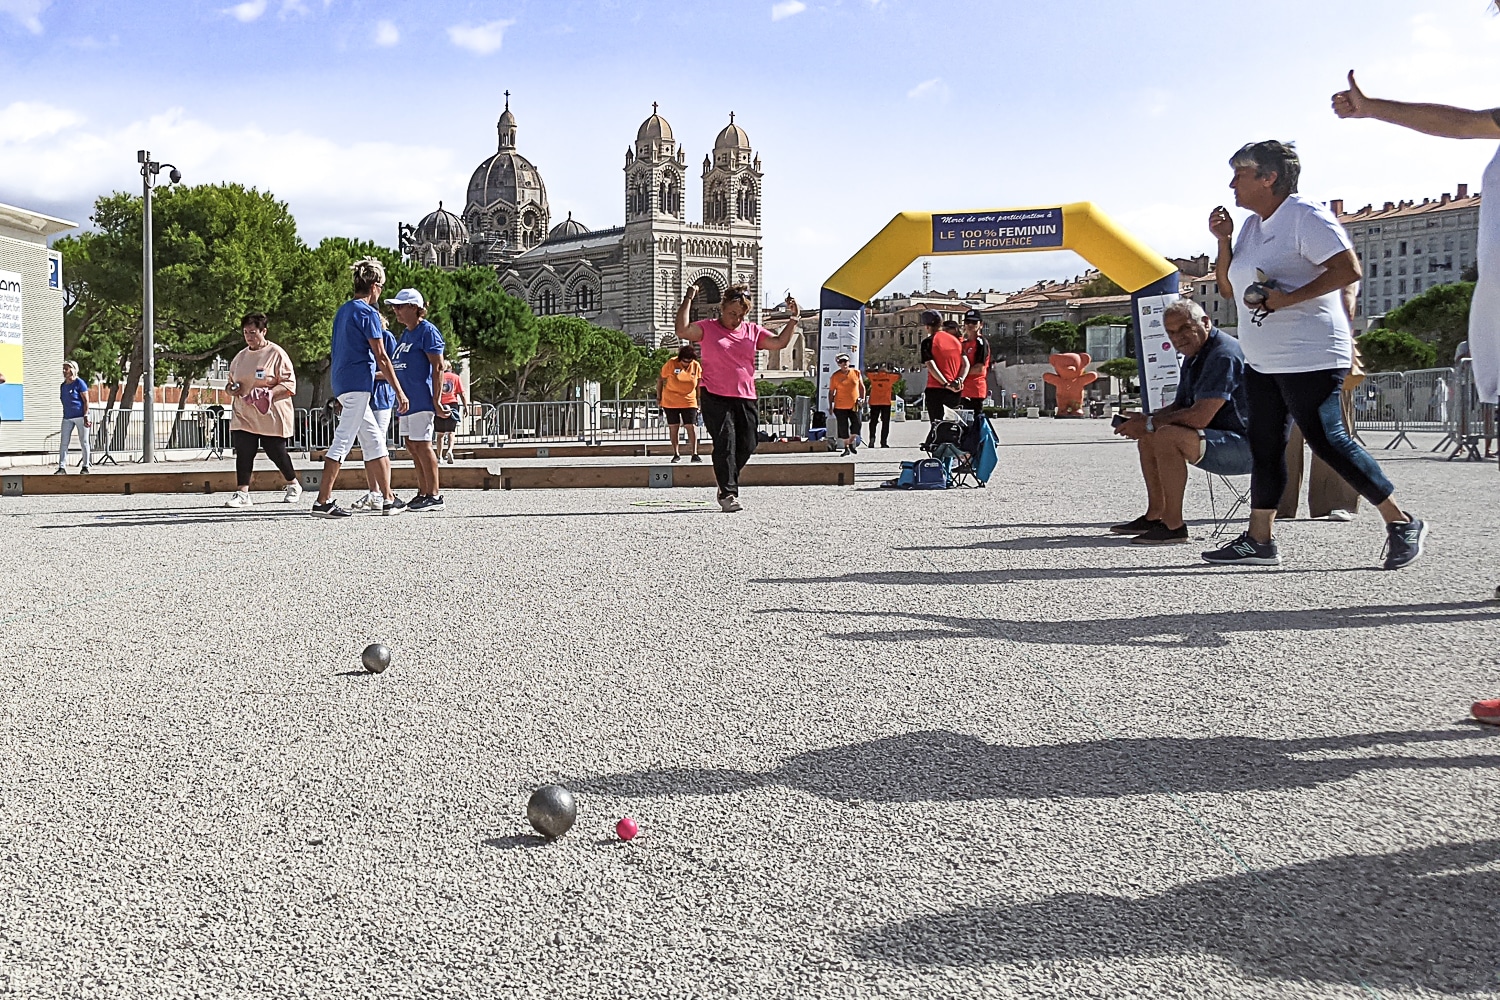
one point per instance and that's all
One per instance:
(329, 509)
(394, 505)
(1160, 534)
(423, 502)
(845, 453)
(435, 503)
(1403, 542)
(676, 459)
(1245, 550)
(698, 459)
(854, 447)
(1139, 526)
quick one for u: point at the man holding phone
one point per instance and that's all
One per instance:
(1204, 426)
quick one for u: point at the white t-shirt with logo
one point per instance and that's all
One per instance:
(1289, 248)
(1484, 312)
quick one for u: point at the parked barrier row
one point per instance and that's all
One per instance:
(1429, 400)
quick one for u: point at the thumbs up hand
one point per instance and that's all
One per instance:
(1351, 103)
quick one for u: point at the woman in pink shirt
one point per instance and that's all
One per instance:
(728, 345)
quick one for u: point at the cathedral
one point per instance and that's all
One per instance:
(629, 277)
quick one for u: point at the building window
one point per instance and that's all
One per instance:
(583, 299)
(1401, 289)
(1387, 305)
(546, 302)
(1402, 250)
(1387, 251)
(1374, 270)
(1387, 286)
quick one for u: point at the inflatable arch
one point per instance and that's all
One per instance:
(1150, 278)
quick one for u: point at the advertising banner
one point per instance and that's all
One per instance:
(839, 334)
(1158, 358)
(987, 232)
(11, 396)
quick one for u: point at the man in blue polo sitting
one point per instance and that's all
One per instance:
(1204, 426)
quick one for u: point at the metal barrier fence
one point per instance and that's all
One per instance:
(609, 420)
(1427, 401)
(117, 433)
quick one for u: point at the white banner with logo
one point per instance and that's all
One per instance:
(1158, 358)
(10, 308)
(839, 334)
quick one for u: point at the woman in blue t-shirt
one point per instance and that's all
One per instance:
(382, 405)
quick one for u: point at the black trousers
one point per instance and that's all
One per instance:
(848, 422)
(937, 398)
(732, 424)
(1314, 401)
(974, 406)
(880, 420)
(245, 446)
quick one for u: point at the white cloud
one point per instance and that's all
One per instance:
(28, 12)
(361, 188)
(786, 8)
(386, 34)
(934, 89)
(481, 39)
(25, 121)
(247, 11)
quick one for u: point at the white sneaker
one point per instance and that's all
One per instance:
(292, 492)
(730, 504)
(240, 498)
(1339, 514)
(367, 502)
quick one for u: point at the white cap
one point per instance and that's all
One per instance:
(407, 297)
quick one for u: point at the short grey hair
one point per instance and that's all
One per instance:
(1271, 156)
(1193, 309)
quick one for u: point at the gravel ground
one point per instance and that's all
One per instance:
(878, 743)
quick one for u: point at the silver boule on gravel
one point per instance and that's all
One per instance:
(551, 811)
(376, 657)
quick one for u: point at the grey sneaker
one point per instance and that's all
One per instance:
(1403, 542)
(329, 509)
(394, 505)
(365, 503)
(730, 504)
(1246, 551)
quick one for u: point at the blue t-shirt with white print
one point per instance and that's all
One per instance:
(413, 368)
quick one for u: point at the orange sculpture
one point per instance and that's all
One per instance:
(1070, 379)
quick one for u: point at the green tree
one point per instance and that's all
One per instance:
(1108, 321)
(1385, 350)
(498, 330)
(1099, 286)
(798, 387)
(1126, 369)
(648, 370)
(1439, 316)
(1058, 336)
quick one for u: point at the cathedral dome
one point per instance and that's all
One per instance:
(567, 228)
(654, 130)
(733, 137)
(442, 226)
(506, 178)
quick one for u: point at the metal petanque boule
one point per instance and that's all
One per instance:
(551, 811)
(376, 657)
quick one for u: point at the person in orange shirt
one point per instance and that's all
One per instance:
(846, 388)
(882, 395)
(677, 394)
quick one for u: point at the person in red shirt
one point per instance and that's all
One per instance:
(977, 353)
(882, 395)
(452, 397)
(946, 366)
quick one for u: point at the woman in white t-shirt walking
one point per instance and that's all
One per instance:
(1295, 260)
(1484, 312)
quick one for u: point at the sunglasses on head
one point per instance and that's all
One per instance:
(736, 297)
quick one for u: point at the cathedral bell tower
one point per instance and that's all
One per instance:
(731, 180)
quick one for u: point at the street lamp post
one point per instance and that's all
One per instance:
(149, 169)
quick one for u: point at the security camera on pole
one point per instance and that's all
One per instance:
(149, 169)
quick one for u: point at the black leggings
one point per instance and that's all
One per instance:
(732, 423)
(880, 420)
(1313, 400)
(245, 445)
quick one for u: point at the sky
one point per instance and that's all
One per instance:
(364, 113)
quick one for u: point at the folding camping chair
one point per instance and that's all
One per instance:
(1237, 500)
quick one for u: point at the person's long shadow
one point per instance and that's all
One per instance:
(1201, 629)
(1418, 918)
(943, 766)
(987, 577)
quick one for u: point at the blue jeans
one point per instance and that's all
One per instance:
(1312, 399)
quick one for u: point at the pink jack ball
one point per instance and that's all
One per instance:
(626, 829)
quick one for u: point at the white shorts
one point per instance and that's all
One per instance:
(357, 420)
(417, 426)
(383, 418)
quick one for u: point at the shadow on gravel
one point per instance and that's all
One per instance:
(516, 841)
(596, 513)
(943, 766)
(1040, 542)
(179, 518)
(1415, 919)
(981, 577)
(1192, 630)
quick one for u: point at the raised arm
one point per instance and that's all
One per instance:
(1221, 225)
(1433, 119)
(784, 338)
(687, 332)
